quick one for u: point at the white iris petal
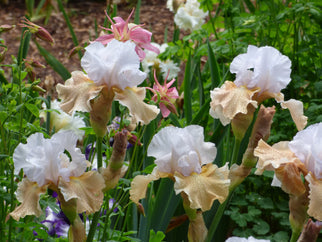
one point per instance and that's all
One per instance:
(263, 67)
(113, 65)
(307, 146)
(43, 160)
(181, 149)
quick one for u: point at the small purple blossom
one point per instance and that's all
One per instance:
(111, 203)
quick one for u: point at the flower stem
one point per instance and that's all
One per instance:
(217, 218)
(99, 142)
(93, 227)
(295, 235)
(48, 114)
(235, 151)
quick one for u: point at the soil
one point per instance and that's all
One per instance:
(82, 14)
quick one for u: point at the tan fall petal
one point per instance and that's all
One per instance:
(87, 188)
(77, 92)
(271, 158)
(133, 99)
(112, 177)
(140, 184)
(296, 109)
(315, 208)
(229, 100)
(202, 189)
(289, 175)
(28, 194)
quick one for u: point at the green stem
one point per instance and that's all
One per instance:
(99, 142)
(217, 218)
(295, 235)
(235, 151)
(48, 115)
(12, 199)
(93, 227)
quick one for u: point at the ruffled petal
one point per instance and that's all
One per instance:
(271, 158)
(77, 92)
(289, 175)
(140, 184)
(229, 100)
(87, 189)
(176, 149)
(202, 189)
(307, 146)
(114, 65)
(133, 99)
(315, 208)
(28, 194)
(296, 109)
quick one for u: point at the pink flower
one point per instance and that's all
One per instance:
(165, 96)
(123, 31)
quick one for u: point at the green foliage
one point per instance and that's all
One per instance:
(261, 213)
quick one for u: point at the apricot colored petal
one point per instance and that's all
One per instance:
(315, 208)
(133, 99)
(112, 177)
(271, 158)
(28, 194)
(140, 184)
(296, 109)
(77, 92)
(202, 189)
(87, 189)
(229, 100)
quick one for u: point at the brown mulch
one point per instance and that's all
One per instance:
(83, 14)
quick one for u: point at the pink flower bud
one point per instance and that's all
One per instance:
(39, 31)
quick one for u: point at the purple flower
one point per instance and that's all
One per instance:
(111, 203)
(57, 224)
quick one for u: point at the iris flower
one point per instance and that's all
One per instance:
(168, 68)
(57, 164)
(261, 73)
(249, 239)
(189, 16)
(62, 121)
(289, 160)
(183, 156)
(124, 31)
(112, 74)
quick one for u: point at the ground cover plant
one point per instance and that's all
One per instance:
(213, 136)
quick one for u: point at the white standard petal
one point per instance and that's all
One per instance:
(263, 67)
(307, 146)
(249, 239)
(272, 71)
(43, 160)
(181, 149)
(114, 65)
(243, 65)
